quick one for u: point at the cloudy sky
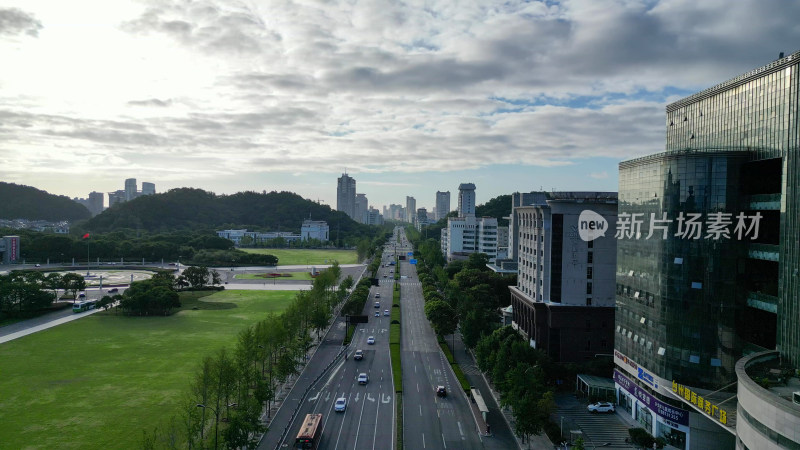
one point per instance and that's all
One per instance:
(408, 97)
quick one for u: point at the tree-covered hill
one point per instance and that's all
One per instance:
(25, 202)
(187, 208)
(497, 207)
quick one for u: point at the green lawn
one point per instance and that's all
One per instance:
(98, 382)
(291, 276)
(288, 257)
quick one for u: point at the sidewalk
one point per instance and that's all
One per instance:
(501, 421)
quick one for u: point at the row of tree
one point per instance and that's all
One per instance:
(25, 292)
(466, 295)
(225, 399)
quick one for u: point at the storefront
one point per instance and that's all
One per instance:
(658, 418)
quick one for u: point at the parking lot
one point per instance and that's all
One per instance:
(608, 430)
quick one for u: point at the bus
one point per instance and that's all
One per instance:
(83, 306)
(309, 434)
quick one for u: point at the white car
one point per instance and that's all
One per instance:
(385, 312)
(341, 404)
(371, 340)
(363, 378)
(601, 407)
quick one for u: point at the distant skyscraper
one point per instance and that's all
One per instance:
(346, 195)
(411, 208)
(96, 200)
(361, 207)
(116, 197)
(466, 200)
(130, 189)
(442, 204)
(148, 188)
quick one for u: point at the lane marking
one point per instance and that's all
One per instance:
(423, 440)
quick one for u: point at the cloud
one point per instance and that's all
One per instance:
(599, 175)
(14, 21)
(151, 102)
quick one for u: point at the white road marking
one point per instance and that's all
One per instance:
(423, 440)
(460, 430)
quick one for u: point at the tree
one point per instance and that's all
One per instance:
(73, 282)
(478, 261)
(442, 317)
(197, 276)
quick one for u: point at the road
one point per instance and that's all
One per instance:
(368, 421)
(429, 422)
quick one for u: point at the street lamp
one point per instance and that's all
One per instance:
(216, 420)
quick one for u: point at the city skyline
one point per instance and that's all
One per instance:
(228, 98)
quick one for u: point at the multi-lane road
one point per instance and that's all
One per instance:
(429, 422)
(368, 421)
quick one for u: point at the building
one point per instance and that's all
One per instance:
(563, 303)
(373, 217)
(422, 219)
(466, 199)
(411, 207)
(708, 297)
(116, 197)
(361, 207)
(94, 203)
(148, 188)
(442, 205)
(315, 229)
(130, 189)
(466, 235)
(346, 195)
(396, 212)
(10, 250)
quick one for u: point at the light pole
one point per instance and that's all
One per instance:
(216, 422)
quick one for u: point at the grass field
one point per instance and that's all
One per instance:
(98, 382)
(292, 276)
(288, 257)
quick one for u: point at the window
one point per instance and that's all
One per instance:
(591, 244)
(588, 288)
(589, 273)
(589, 301)
(589, 257)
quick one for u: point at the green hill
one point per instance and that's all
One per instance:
(25, 202)
(497, 207)
(188, 208)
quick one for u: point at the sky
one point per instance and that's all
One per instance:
(408, 98)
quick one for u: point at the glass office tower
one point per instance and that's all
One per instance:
(708, 250)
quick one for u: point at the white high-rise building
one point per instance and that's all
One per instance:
(411, 209)
(466, 200)
(361, 207)
(442, 204)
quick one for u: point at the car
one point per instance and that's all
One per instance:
(601, 407)
(384, 276)
(377, 295)
(385, 312)
(441, 391)
(377, 313)
(358, 355)
(82, 295)
(340, 405)
(371, 340)
(113, 291)
(38, 265)
(363, 378)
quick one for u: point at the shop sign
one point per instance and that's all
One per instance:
(692, 397)
(672, 416)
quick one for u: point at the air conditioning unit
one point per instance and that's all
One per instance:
(796, 397)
